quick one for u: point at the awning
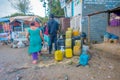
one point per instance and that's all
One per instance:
(4, 19)
(24, 18)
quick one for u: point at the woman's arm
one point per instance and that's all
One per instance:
(27, 36)
(41, 35)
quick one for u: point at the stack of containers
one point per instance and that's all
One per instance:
(77, 45)
(68, 43)
(77, 48)
(59, 53)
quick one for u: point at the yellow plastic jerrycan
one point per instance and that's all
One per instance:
(78, 43)
(68, 43)
(68, 34)
(70, 29)
(68, 53)
(76, 50)
(58, 55)
(76, 33)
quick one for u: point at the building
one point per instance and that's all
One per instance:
(78, 11)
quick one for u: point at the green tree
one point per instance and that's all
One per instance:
(54, 7)
(22, 6)
(17, 14)
(45, 19)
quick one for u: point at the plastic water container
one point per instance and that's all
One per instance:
(78, 43)
(84, 58)
(68, 43)
(58, 55)
(74, 38)
(70, 29)
(76, 33)
(77, 50)
(68, 34)
(60, 42)
(68, 53)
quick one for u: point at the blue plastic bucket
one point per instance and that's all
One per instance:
(84, 58)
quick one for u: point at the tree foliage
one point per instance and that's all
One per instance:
(45, 19)
(17, 14)
(54, 7)
(22, 6)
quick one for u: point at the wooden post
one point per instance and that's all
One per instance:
(119, 35)
(108, 19)
(88, 29)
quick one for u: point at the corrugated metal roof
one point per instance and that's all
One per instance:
(107, 11)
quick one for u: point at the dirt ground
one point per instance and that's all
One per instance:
(15, 64)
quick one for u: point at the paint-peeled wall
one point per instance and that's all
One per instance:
(69, 9)
(75, 21)
(77, 7)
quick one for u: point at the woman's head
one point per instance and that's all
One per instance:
(32, 23)
(37, 22)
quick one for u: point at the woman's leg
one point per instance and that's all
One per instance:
(35, 57)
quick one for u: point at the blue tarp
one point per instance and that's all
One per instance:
(4, 19)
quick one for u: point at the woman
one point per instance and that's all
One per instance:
(34, 35)
(46, 36)
(45, 29)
